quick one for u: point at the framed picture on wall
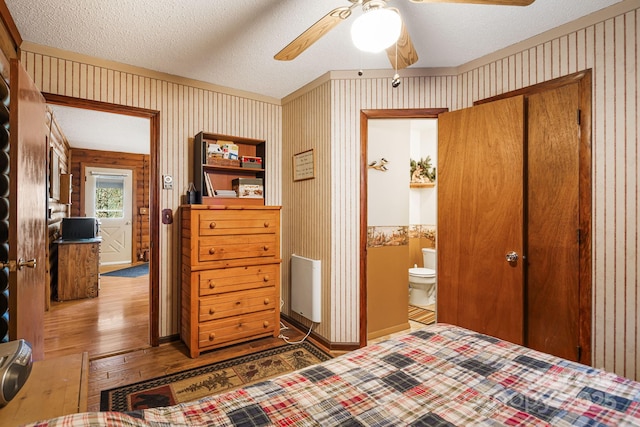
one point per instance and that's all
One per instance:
(304, 165)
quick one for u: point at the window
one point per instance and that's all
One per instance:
(109, 200)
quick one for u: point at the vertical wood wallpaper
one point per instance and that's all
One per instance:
(184, 111)
(610, 48)
(306, 222)
(326, 118)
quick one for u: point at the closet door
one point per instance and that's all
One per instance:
(553, 221)
(480, 218)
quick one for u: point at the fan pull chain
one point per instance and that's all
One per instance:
(395, 82)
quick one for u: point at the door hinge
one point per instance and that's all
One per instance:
(11, 265)
(579, 352)
(579, 116)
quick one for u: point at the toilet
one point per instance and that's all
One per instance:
(422, 280)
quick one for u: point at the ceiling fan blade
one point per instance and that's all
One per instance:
(406, 54)
(313, 33)
(494, 2)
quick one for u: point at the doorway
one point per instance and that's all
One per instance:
(365, 116)
(109, 197)
(152, 190)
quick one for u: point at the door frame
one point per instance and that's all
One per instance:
(365, 116)
(584, 81)
(154, 195)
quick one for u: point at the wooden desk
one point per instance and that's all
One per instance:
(78, 269)
(55, 387)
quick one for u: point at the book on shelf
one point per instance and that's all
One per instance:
(208, 184)
(226, 193)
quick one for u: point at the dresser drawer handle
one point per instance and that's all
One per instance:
(212, 224)
(266, 278)
(266, 301)
(212, 311)
(265, 324)
(238, 302)
(265, 247)
(266, 224)
(212, 284)
(212, 251)
(212, 336)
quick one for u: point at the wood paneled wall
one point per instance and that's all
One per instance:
(139, 163)
(607, 43)
(306, 222)
(333, 219)
(186, 107)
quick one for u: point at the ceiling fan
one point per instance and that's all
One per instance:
(401, 53)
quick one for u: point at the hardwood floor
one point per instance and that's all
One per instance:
(116, 321)
(122, 316)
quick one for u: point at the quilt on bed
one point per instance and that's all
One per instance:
(437, 376)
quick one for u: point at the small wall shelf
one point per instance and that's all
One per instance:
(422, 184)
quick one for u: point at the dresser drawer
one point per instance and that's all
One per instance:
(223, 248)
(220, 223)
(237, 279)
(217, 332)
(235, 303)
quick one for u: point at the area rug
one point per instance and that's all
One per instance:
(212, 379)
(421, 315)
(135, 271)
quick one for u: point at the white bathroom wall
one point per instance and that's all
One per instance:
(424, 142)
(388, 191)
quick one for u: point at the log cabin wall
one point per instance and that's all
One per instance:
(139, 163)
(59, 147)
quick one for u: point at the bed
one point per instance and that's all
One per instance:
(440, 375)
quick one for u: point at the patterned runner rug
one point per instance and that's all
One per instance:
(421, 315)
(197, 383)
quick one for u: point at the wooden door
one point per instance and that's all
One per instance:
(27, 212)
(480, 218)
(553, 253)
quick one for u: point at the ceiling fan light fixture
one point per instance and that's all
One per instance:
(376, 29)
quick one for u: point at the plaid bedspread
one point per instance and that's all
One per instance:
(437, 376)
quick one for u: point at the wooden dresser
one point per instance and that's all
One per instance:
(230, 275)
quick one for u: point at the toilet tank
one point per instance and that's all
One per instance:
(429, 258)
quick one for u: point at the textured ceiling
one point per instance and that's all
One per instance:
(231, 43)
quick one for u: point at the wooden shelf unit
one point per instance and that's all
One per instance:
(223, 175)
